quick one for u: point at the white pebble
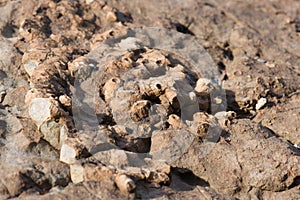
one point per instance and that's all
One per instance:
(260, 103)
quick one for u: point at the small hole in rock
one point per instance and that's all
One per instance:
(59, 16)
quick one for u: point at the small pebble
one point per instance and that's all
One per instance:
(125, 183)
(218, 100)
(260, 103)
(192, 96)
(30, 66)
(91, 65)
(111, 16)
(65, 100)
(271, 65)
(261, 60)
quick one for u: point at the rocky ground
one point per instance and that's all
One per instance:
(103, 100)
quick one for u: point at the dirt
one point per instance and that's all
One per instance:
(149, 100)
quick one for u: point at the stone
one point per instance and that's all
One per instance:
(270, 174)
(129, 43)
(111, 16)
(42, 109)
(204, 86)
(65, 100)
(260, 103)
(77, 173)
(140, 110)
(15, 97)
(71, 150)
(90, 170)
(115, 157)
(283, 120)
(7, 54)
(174, 121)
(201, 124)
(171, 96)
(10, 123)
(4, 194)
(98, 172)
(54, 133)
(96, 141)
(13, 182)
(225, 118)
(169, 145)
(124, 183)
(109, 88)
(30, 66)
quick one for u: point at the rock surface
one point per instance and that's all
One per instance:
(94, 104)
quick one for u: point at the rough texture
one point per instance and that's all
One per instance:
(145, 127)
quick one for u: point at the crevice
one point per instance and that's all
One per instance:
(188, 177)
(296, 182)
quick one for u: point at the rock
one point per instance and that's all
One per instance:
(209, 161)
(129, 43)
(170, 145)
(115, 157)
(4, 194)
(269, 175)
(51, 172)
(77, 173)
(71, 150)
(96, 141)
(111, 16)
(68, 153)
(30, 66)
(16, 97)
(155, 172)
(42, 109)
(225, 118)
(43, 149)
(89, 1)
(283, 119)
(105, 189)
(8, 53)
(65, 100)
(260, 103)
(10, 123)
(174, 121)
(109, 88)
(204, 86)
(124, 183)
(13, 182)
(54, 133)
(134, 144)
(140, 110)
(54, 45)
(205, 126)
(293, 193)
(171, 95)
(222, 167)
(84, 170)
